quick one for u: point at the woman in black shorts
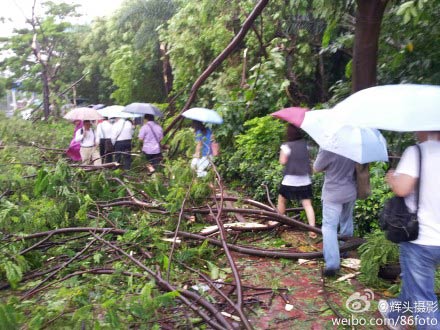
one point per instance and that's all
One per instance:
(297, 183)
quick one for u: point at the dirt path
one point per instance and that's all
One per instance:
(315, 301)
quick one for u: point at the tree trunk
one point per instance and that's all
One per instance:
(46, 92)
(368, 21)
(261, 4)
(167, 71)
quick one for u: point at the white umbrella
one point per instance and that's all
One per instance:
(405, 107)
(83, 113)
(361, 144)
(116, 111)
(203, 115)
(144, 109)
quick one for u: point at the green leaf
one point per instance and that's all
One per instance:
(214, 270)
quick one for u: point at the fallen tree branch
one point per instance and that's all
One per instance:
(96, 167)
(228, 254)
(184, 294)
(36, 244)
(347, 246)
(238, 226)
(250, 202)
(212, 285)
(38, 287)
(179, 221)
(220, 58)
(270, 214)
(61, 231)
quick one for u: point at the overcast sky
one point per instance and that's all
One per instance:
(16, 11)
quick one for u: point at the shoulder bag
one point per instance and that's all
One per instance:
(108, 145)
(398, 222)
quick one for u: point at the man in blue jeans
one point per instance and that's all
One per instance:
(417, 303)
(338, 199)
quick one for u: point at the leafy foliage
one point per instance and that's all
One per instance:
(254, 163)
(376, 252)
(367, 210)
(297, 53)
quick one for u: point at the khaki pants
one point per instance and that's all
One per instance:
(88, 154)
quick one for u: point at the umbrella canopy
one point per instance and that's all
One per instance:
(97, 106)
(203, 115)
(293, 115)
(361, 144)
(116, 111)
(143, 109)
(83, 113)
(406, 107)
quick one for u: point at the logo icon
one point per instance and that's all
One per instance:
(359, 302)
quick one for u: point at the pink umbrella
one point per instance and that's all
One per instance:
(83, 114)
(293, 115)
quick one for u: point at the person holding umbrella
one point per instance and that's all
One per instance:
(104, 131)
(89, 151)
(338, 199)
(122, 135)
(204, 137)
(203, 154)
(150, 135)
(82, 134)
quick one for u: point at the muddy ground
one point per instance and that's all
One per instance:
(290, 294)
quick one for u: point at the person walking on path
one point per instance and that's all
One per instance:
(122, 135)
(203, 153)
(338, 199)
(419, 258)
(150, 135)
(297, 183)
(103, 134)
(87, 138)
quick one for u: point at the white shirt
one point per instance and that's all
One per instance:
(122, 130)
(429, 204)
(104, 130)
(294, 180)
(87, 138)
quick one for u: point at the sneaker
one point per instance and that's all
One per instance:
(330, 272)
(384, 309)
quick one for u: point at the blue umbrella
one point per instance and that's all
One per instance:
(203, 115)
(361, 144)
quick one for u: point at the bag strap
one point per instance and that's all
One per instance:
(120, 131)
(102, 132)
(419, 183)
(152, 131)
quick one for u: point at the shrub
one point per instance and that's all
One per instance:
(366, 211)
(255, 160)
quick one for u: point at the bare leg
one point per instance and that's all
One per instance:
(281, 206)
(310, 214)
